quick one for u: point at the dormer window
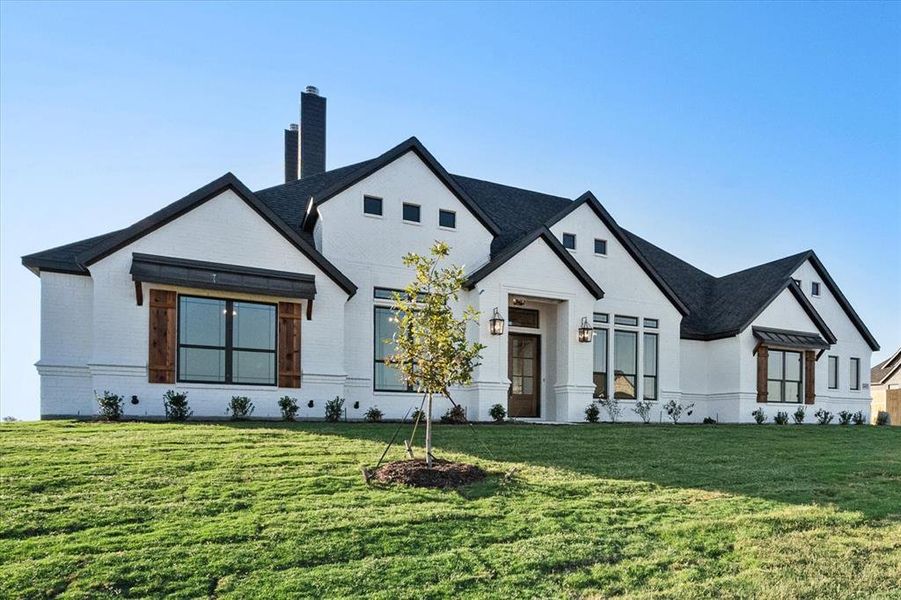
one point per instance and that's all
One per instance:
(815, 289)
(569, 241)
(412, 213)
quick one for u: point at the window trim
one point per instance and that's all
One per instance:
(782, 382)
(656, 374)
(563, 241)
(229, 348)
(452, 213)
(829, 372)
(634, 374)
(855, 381)
(603, 241)
(403, 209)
(381, 213)
(376, 361)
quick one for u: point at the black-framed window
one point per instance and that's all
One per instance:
(372, 206)
(600, 363)
(569, 241)
(651, 323)
(600, 247)
(226, 341)
(385, 377)
(601, 318)
(651, 352)
(855, 374)
(814, 288)
(412, 212)
(523, 317)
(625, 320)
(447, 218)
(833, 372)
(784, 376)
(625, 364)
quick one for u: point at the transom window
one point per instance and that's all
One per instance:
(651, 323)
(412, 212)
(226, 341)
(523, 317)
(569, 241)
(601, 318)
(600, 363)
(624, 320)
(372, 206)
(447, 218)
(784, 376)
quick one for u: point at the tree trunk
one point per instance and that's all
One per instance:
(428, 434)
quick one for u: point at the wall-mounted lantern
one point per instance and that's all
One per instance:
(586, 331)
(496, 323)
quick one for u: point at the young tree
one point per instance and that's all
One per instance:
(432, 353)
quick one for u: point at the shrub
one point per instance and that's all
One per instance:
(781, 418)
(109, 406)
(824, 417)
(675, 409)
(709, 421)
(373, 415)
(859, 418)
(289, 408)
(844, 417)
(334, 409)
(240, 407)
(642, 408)
(176, 405)
(417, 414)
(799, 415)
(455, 415)
(883, 418)
(759, 415)
(498, 413)
(592, 413)
(611, 405)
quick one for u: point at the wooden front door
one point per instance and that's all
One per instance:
(524, 370)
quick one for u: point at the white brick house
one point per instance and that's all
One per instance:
(283, 291)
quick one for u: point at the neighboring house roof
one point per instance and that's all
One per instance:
(886, 369)
(713, 307)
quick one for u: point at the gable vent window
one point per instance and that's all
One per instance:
(411, 213)
(815, 288)
(372, 206)
(600, 247)
(447, 218)
(569, 241)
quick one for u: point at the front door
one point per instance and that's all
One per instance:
(525, 375)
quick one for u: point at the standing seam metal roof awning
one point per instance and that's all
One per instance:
(216, 276)
(800, 340)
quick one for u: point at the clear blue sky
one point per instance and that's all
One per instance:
(729, 134)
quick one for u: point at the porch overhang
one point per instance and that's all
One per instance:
(148, 268)
(785, 338)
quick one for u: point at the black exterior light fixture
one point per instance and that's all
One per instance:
(586, 331)
(496, 323)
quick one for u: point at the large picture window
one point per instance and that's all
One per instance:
(784, 376)
(226, 341)
(600, 363)
(650, 366)
(386, 378)
(625, 364)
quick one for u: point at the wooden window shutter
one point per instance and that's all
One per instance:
(290, 316)
(810, 367)
(162, 347)
(763, 356)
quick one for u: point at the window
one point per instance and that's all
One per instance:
(601, 318)
(815, 288)
(625, 364)
(833, 372)
(226, 341)
(388, 294)
(386, 378)
(651, 323)
(650, 366)
(855, 373)
(784, 376)
(569, 241)
(624, 320)
(600, 363)
(447, 218)
(411, 212)
(372, 206)
(523, 317)
(600, 247)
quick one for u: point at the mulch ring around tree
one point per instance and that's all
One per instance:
(443, 474)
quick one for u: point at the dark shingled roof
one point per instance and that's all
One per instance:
(886, 368)
(714, 307)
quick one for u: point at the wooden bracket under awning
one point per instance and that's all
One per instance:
(139, 293)
(309, 309)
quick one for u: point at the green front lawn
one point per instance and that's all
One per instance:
(270, 510)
